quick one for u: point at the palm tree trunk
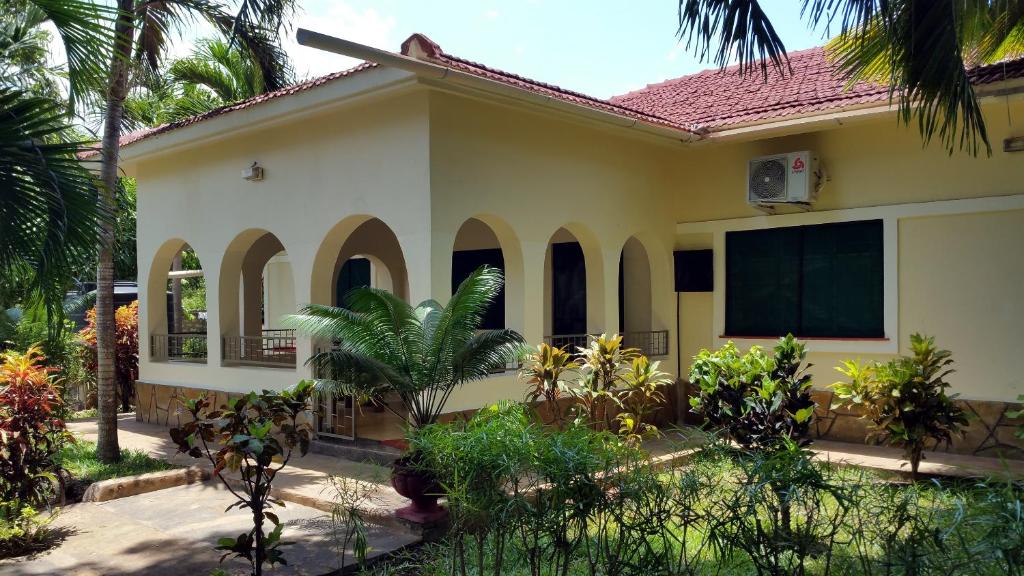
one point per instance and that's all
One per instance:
(107, 448)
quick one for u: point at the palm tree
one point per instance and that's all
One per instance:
(221, 68)
(49, 220)
(217, 73)
(922, 49)
(422, 354)
(141, 35)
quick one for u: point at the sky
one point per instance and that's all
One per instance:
(598, 47)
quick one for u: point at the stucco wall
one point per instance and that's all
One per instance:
(527, 175)
(324, 175)
(954, 233)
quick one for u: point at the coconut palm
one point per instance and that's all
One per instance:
(421, 354)
(922, 49)
(142, 31)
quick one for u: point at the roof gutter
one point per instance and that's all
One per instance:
(445, 74)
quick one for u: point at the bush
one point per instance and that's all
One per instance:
(22, 530)
(608, 384)
(31, 431)
(63, 351)
(126, 343)
(905, 399)
(255, 436)
(761, 401)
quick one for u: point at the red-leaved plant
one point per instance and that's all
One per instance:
(126, 359)
(31, 433)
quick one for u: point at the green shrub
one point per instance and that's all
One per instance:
(255, 436)
(905, 399)
(22, 529)
(760, 400)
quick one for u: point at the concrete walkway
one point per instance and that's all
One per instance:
(172, 532)
(304, 480)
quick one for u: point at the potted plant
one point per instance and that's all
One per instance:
(420, 355)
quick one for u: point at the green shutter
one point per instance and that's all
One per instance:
(815, 281)
(762, 282)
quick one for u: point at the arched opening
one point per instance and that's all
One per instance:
(177, 310)
(565, 291)
(477, 245)
(256, 292)
(635, 309)
(359, 251)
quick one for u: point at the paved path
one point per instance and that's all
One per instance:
(304, 480)
(172, 532)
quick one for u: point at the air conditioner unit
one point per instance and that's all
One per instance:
(782, 179)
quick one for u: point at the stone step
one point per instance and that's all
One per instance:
(356, 450)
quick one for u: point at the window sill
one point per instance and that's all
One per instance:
(806, 338)
(819, 344)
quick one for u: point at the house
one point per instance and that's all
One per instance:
(632, 215)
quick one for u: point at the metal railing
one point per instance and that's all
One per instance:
(651, 344)
(274, 348)
(569, 342)
(178, 347)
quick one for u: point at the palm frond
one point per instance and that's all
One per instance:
(85, 28)
(487, 352)
(724, 31)
(49, 218)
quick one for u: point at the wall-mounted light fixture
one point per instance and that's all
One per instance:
(1014, 144)
(253, 173)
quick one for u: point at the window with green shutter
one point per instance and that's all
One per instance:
(821, 281)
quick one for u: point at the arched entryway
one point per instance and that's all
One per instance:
(573, 294)
(176, 305)
(477, 245)
(256, 292)
(359, 251)
(636, 320)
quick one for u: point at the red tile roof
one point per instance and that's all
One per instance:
(138, 135)
(715, 99)
(419, 46)
(706, 100)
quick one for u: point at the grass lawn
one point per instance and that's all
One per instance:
(80, 460)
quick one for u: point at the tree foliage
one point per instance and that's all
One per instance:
(921, 49)
(383, 345)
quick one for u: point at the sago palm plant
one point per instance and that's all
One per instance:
(384, 345)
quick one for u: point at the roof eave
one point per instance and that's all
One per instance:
(825, 119)
(373, 83)
(437, 72)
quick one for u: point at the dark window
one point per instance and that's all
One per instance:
(568, 289)
(813, 281)
(355, 273)
(464, 262)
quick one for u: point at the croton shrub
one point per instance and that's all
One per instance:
(31, 431)
(759, 399)
(905, 399)
(126, 341)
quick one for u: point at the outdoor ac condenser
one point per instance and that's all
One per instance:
(782, 179)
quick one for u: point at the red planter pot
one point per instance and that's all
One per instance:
(421, 488)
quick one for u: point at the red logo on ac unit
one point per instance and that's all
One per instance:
(798, 164)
